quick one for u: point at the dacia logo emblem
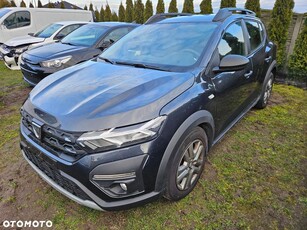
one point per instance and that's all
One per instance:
(37, 130)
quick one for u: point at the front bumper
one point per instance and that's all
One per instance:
(73, 179)
(32, 73)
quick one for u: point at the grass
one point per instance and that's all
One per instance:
(255, 178)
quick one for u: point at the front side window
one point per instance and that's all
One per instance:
(87, 35)
(254, 34)
(17, 20)
(164, 45)
(48, 31)
(232, 41)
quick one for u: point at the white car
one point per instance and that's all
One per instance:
(11, 50)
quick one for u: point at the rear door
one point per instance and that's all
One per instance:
(257, 56)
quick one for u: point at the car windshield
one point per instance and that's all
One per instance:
(87, 35)
(3, 12)
(163, 45)
(48, 31)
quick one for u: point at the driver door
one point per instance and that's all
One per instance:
(232, 88)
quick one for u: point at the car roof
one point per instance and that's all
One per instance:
(65, 23)
(114, 24)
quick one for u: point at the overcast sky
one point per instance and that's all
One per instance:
(300, 5)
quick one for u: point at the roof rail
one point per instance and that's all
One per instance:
(224, 13)
(160, 17)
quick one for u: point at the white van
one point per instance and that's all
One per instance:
(16, 21)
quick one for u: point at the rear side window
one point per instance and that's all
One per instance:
(17, 20)
(67, 30)
(232, 41)
(116, 34)
(254, 33)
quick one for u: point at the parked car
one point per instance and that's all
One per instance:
(11, 50)
(137, 122)
(19, 21)
(81, 45)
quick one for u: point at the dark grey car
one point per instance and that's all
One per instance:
(81, 45)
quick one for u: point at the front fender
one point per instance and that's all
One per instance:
(198, 118)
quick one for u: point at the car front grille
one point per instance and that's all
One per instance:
(53, 173)
(56, 141)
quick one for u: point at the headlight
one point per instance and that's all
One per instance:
(120, 137)
(55, 63)
(21, 50)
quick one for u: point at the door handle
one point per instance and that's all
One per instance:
(268, 59)
(247, 75)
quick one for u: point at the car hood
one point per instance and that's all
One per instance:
(23, 40)
(51, 51)
(97, 96)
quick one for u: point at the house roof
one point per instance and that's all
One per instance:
(67, 5)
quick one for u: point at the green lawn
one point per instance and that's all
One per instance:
(255, 177)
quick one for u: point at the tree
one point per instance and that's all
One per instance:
(148, 10)
(138, 11)
(31, 5)
(39, 4)
(12, 3)
(62, 6)
(129, 11)
(96, 12)
(173, 7)
(85, 7)
(50, 5)
(298, 60)
(121, 12)
(4, 3)
(101, 14)
(160, 7)
(228, 3)
(23, 4)
(253, 5)
(107, 13)
(188, 6)
(114, 17)
(278, 27)
(91, 8)
(206, 7)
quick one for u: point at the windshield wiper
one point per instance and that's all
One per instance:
(107, 60)
(141, 65)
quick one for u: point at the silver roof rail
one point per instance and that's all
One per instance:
(224, 13)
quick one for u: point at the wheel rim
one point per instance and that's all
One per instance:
(190, 165)
(268, 91)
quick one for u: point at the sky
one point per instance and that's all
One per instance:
(300, 5)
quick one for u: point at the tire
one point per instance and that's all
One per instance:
(187, 165)
(266, 92)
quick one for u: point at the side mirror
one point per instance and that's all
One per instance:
(59, 37)
(31, 34)
(230, 63)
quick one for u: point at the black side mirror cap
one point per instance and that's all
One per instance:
(231, 62)
(31, 34)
